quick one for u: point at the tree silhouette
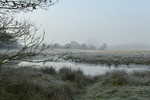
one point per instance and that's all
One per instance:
(25, 5)
(13, 31)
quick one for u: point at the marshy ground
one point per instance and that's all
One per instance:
(111, 57)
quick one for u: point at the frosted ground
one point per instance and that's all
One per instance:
(112, 57)
(102, 56)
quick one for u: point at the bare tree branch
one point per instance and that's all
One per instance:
(26, 5)
(24, 32)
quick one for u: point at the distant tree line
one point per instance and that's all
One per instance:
(76, 45)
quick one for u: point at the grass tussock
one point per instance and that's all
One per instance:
(115, 77)
(141, 77)
(75, 76)
(49, 70)
(122, 77)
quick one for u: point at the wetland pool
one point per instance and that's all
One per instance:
(88, 69)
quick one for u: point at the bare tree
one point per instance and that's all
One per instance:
(25, 5)
(13, 31)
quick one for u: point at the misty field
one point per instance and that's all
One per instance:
(97, 56)
(109, 57)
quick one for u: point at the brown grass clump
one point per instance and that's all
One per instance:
(75, 76)
(116, 77)
(49, 70)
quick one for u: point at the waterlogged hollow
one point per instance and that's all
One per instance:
(88, 69)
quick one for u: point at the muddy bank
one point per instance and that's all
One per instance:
(111, 57)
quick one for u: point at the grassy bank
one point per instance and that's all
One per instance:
(119, 85)
(67, 84)
(41, 84)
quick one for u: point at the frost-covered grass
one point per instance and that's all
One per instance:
(121, 77)
(41, 84)
(98, 91)
(108, 57)
(33, 84)
(49, 70)
(67, 84)
(111, 57)
(98, 56)
(119, 85)
(75, 76)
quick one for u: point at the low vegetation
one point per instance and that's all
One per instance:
(66, 84)
(122, 77)
(49, 70)
(32, 84)
(119, 85)
(111, 57)
(75, 76)
(40, 84)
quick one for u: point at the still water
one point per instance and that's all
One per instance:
(88, 69)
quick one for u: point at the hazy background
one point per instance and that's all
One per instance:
(115, 22)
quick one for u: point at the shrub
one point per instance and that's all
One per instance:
(66, 73)
(76, 76)
(49, 70)
(141, 77)
(64, 70)
(144, 73)
(116, 77)
(59, 92)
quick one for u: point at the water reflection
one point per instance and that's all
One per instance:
(88, 69)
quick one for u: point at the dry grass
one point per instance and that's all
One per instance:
(75, 76)
(47, 84)
(49, 70)
(121, 77)
(111, 57)
(117, 77)
(20, 84)
(141, 77)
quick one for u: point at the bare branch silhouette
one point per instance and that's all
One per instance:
(24, 32)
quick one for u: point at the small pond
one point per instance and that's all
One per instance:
(88, 69)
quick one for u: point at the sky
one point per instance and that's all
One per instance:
(95, 21)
